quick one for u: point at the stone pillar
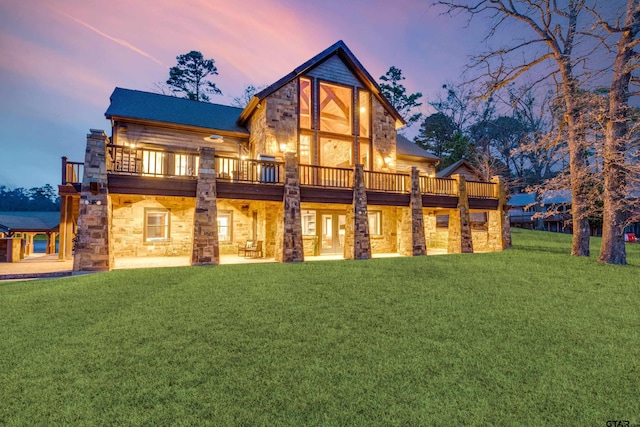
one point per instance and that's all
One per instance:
(205, 224)
(93, 245)
(498, 226)
(412, 237)
(357, 244)
(289, 247)
(459, 222)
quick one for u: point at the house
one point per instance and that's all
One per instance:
(311, 166)
(18, 229)
(551, 213)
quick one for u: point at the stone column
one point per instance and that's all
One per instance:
(498, 226)
(459, 222)
(289, 246)
(205, 224)
(357, 244)
(412, 237)
(93, 242)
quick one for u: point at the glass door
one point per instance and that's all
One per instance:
(332, 232)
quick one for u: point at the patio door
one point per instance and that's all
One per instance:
(332, 230)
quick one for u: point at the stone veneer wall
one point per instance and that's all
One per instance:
(384, 136)
(93, 250)
(276, 121)
(128, 219)
(205, 222)
(288, 247)
(459, 222)
(412, 237)
(357, 244)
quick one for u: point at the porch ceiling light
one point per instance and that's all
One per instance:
(214, 138)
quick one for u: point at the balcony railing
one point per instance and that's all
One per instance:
(152, 162)
(322, 176)
(438, 186)
(71, 172)
(385, 181)
(481, 190)
(255, 171)
(146, 161)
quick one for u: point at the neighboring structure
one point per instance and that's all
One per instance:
(551, 213)
(461, 167)
(311, 166)
(18, 229)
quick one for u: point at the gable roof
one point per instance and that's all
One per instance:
(29, 221)
(406, 148)
(339, 48)
(452, 169)
(135, 104)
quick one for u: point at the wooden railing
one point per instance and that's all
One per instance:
(152, 162)
(481, 190)
(255, 171)
(438, 186)
(322, 176)
(385, 181)
(71, 172)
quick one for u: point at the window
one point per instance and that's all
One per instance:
(305, 103)
(156, 225)
(365, 114)
(225, 225)
(335, 108)
(479, 221)
(442, 221)
(305, 151)
(308, 223)
(335, 152)
(375, 223)
(186, 164)
(152, 162)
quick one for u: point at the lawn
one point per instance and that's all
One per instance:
(528, 336)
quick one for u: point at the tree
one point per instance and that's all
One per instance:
(396, 94)
(545, 50)
(43, 198)
(190, 77)
(436, 131)
(243, 100)
(617, 132)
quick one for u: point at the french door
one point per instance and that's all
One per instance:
(332, 231)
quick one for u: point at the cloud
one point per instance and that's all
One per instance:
(121, 42)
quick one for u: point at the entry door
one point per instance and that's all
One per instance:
(332, 229)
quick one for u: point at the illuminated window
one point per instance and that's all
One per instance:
(365, 114)
(305, 157)
(305, 103)
(225, 225)
(335, 108)
(152, 162)
(335, 152)
(308, 222)
(156, 225)
(186, 164)
(365, 147)
(375, 223)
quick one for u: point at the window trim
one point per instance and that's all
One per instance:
(229, 214)
(167, 227)
(378, 215)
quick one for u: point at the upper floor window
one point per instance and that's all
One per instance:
(305, 103)
(365, 113)
(335, 108)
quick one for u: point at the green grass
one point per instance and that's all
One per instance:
(528, 336)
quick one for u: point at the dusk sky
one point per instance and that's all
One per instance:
(61, 59)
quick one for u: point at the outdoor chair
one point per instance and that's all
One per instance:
(254, 252)
(246, 246)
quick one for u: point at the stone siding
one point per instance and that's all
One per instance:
(276, 122)
(384, 137)
(93, 250)
(128, 225)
